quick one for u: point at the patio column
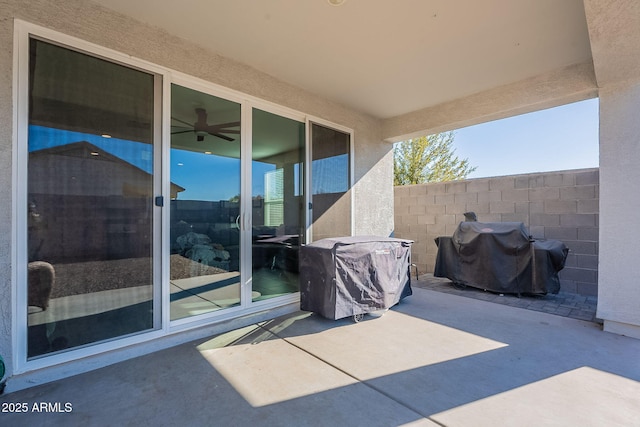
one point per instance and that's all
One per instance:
(614, 29)
(619, 269)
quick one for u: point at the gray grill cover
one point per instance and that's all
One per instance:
(341, 277)
(500, 257)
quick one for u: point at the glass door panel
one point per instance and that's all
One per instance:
(330, 182)
(90, 200)
(205, 203)
(277, 213)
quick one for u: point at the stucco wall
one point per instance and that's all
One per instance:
(620, 177)
(373, 170)
(557, 205)
(614, 30)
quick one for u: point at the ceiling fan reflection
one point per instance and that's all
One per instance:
(201, 128)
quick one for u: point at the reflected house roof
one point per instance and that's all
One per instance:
(68, 171)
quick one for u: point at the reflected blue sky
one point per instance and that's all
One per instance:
(204, 176)
(136, 153)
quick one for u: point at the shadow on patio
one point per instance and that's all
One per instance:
(435, 359)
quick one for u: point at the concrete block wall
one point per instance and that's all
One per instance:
(560, 205)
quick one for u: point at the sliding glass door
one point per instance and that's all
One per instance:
(277, 203)
(90, 185)
(150, 202)
(210, 217)
(204, 235)
(330, 182)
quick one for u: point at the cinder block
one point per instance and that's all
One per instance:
(559, 179)
(444, 199)
(560, 206)
(436, 188)
(402, 202)
(399, 210)
(587, 289)
(522, 207)
(568, 286)
(588, 233)
(400, 229)
(572, 260)
(418, 190)
(561, 233)
(588, 177)
(548, 220)
(587, 261)
(578, 192)
(522, 181)
(466, 198)
(478, 208)
(400, 191)
(502, 207)
(477, 185)
(417, 209)
(515, 195)
(515, 217)
(589, 206)
(489, 196)
(426, 219)
(579, 275)
(435, 209)
(544, 193)
(456, 187)
(416, 231)
(536, 206)
(578, 220)
(502, 183)
(446, 219)
(457, 208)
(536, 181)
(490, 217)
(437, 229)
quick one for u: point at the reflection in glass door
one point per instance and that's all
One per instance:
(330, 182)
(278, 221)
(90, 200)
(205, 203)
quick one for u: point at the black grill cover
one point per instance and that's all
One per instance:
(341, 277)
(500, 257)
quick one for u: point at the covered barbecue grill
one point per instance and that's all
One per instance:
(500, 257)
(351, 276)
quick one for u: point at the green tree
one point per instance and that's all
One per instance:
(428, 159)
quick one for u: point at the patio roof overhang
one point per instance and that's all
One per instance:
(410, 63)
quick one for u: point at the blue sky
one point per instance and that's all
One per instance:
(559, 138)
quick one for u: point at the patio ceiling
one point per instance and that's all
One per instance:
(384, 58)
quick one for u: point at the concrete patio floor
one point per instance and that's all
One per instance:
(434, 359)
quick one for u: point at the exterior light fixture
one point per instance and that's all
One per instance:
(336, 2)
(105, 135)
